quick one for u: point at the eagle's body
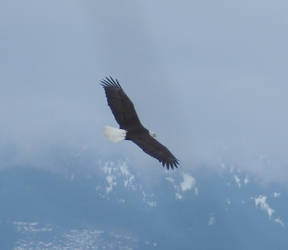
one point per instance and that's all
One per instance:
(130, 125)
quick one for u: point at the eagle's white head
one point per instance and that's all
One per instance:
(152, 134)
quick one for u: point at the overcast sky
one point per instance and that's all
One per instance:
(209, 77)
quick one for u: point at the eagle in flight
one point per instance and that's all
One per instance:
(130, 125)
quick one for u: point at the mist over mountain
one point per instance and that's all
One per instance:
(209, 78)
(110, 205)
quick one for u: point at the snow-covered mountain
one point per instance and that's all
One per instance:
(112, 205)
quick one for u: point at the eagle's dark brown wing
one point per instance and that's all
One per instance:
(152, 147)
(120, 104)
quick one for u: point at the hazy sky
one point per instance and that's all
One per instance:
(209, 77)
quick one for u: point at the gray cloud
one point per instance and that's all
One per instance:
(208, 78)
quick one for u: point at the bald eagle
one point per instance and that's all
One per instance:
(130, 125)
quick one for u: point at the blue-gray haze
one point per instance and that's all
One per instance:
(209, 77)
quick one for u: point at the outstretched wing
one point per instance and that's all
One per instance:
(120, 104)
(152, 147)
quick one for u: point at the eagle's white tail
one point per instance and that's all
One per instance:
(115, 134)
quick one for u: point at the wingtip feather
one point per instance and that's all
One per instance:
(110, 82)
(171, 164)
